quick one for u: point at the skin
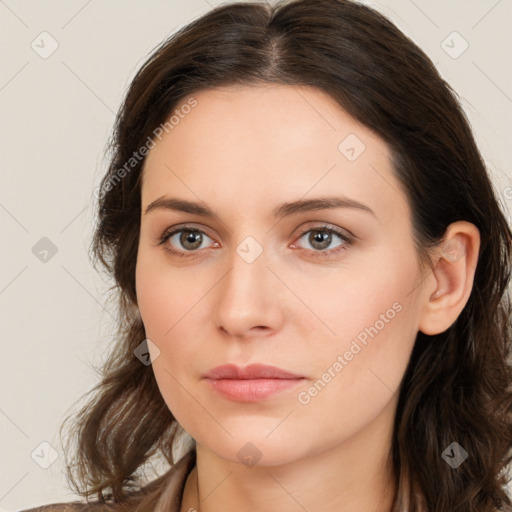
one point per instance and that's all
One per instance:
(243, 151)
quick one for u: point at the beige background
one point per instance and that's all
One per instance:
(56, 116)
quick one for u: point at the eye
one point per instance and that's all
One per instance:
(186, 239)
(321, 238)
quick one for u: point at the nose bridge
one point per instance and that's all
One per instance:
(245, 299)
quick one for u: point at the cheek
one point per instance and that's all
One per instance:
(166, 300)
(160, 312)
(164, 295)
(374, 315)
(362, 302)
(358, 377)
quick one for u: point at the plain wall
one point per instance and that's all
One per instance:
(56, 117)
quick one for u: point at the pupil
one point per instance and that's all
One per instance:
(319, 237)
(191, 237)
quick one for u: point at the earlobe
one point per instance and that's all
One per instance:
(452, 277)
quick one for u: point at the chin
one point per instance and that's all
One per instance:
(254, 450)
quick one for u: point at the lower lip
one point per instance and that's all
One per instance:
(251, 390)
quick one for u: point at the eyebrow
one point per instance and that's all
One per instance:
(283, 210)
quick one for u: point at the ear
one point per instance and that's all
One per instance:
(451, 281)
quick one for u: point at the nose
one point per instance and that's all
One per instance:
(249, 299)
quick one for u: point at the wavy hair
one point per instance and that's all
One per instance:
(458, 384)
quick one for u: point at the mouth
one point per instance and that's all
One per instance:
(252, 383)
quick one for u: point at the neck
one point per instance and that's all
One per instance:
(355, 475)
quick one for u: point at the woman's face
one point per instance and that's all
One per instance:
(330, 295)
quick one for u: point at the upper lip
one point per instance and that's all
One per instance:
(253, 371)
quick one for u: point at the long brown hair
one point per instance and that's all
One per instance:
(458, 384)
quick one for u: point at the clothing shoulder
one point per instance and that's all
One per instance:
(169, 495)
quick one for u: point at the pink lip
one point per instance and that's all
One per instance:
(252, 383)
(253, 371)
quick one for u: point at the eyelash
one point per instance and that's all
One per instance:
(326, 253)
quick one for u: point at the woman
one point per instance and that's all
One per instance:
(312, 269)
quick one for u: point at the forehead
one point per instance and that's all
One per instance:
(267, 141)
